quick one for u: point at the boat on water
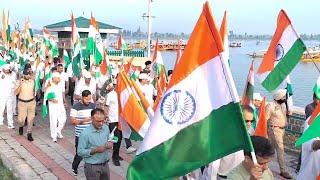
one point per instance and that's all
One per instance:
(311, 55)
(258, 54)
(235, 44)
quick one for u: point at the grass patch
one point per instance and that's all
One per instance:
(5, 173)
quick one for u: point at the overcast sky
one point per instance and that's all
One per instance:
(250, 16)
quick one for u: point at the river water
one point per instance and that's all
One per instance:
(303, 77)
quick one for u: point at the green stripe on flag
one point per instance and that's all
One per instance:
(213, 137)
(285, 66)
(310, 133)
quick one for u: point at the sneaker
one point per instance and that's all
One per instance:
(75, 172)
(60, 136)
(116, 162)
(286, 175)
(54, 140)
(11, 127)
(131, 150)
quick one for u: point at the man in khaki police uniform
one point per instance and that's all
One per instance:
(26, 102)
(277, 120)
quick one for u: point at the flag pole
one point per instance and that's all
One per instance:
(254, 157)
(308, 53)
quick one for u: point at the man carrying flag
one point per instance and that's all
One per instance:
(199, 104)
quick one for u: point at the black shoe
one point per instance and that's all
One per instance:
(115, 162)
(30, 137)
(120, 158)
(20, 131)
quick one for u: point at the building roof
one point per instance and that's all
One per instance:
(82, 24)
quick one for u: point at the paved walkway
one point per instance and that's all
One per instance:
(44, 159)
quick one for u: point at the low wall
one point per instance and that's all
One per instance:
(296, 121)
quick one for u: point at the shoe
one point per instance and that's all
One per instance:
(75, 172)
(11, 127)
(116, 162)
(60, 136)
(54, 140)
(30, 137)
(20, 131)
(131, 150)
(286, 175)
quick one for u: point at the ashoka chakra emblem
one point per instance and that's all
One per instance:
(178, 107)
(279, 52)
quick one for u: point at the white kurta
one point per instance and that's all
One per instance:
(57, 111)
(310, 160)
(7, 83)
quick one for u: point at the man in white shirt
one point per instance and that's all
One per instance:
(6, 93)
(86, 83)
(147, 88)
(57, 111)
(113, 118)
(63, 78)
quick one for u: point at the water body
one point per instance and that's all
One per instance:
(303, 77)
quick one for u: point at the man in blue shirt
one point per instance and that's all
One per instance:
(93, 146)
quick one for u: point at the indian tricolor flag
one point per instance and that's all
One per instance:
(94, 43)
(199, 118)
(247, 98)
(157, 63)
(284, 53)
(134, 120)
(77, 63)
(4, 29)
(224, 37)
(66, 58)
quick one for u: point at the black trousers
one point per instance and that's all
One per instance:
(116, 146)
(77, 159)
(72, 85)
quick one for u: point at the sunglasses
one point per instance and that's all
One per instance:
(248, 121)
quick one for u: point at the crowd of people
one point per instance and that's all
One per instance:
(94, 112)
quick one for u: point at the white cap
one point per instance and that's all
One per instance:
(55, 74)
(280, 94)
(87, 74)
(143, 76)
(257, 96)
(6, 67)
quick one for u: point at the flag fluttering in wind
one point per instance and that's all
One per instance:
(27, 34)
(284, 53)
(50, 43)
(94, 43)
(289, 94)
(312, 127)
(224, 37)
(133, 115)
(261, 129)
(105, 65)
(5, 29)
(66, 58)
(157, 63)
(247, 98)
(122, 45)
(161, 85)
(200, 103)
(77, 63)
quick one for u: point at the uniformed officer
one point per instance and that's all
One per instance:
(277, 120)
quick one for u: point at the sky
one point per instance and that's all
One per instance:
(176, 16)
